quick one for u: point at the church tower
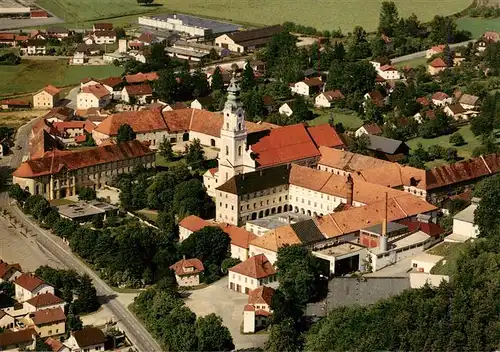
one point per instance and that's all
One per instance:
(233, 157)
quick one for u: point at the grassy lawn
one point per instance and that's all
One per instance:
(477, 26)
(451, 252)
(464, 151)
(30, 76)
(327, 14)
(62, 201)
(349, 119)
(160, 161)
(412, 63)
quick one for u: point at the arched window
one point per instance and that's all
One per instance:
(227, 150)
(239, 126)
(239, 150)
(227, 126)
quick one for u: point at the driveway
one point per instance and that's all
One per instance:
(218, 299)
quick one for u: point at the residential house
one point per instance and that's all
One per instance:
(188, 271)
(48, 322)
(6, 321)
(486, 39)
(94, 96)
(104, 37)
(468, 101)
(436, 66)
(308, 86)
(250, 274)
(387, 148)
(48, 97)
(18, 340)
(56, 345)
(114, 86)
(256, 313)
(375, 97)
(59, 114)
(457, 112)
(249, 40)
(140, 78)
(437, 49)
(28, 286)
(102, 27)
(326, 99)
(389, 72)
(372, 128)
(423, 101)
(84, 51)
(137, 94)
(441, 99)
(58, 32)
(14, 104)
(200, 103)
(89, 81)
(190, 224)
(59, 173)
(89, 339)
(286, 108)
(43, 301)
(34, 47)
(463, 222)
(9, 272)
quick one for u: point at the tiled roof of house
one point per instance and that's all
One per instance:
(438, 63)
(6, 267)
(98, 90)
(438, 48)
(61, 126)
(110, 34)
(89, 336)
(140, 89)
(283, 145)
(16, 102)
(10, 338)
(112, 81)
(424, 101)
(193, 223)
(313, 82)
(261, 295)
(456, 109)
(103, 26)
(325, 135)
(428, 228)
(256, 267)
(387, 68)
(383, 144)
(54, 161)
(29, 281)
(141, 77)
(141, 122)
(48, 316)
(357, 218)
(372, 128)
(347, 161)
(181, 266)
(239, 236)
(468, 99)
(54, 344)
(146, 38)
(7, 36)
(60, 112)
(333, 95)
(44, 300)
(51, 89)
(257, 180)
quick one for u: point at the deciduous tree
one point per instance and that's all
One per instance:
(125, 133)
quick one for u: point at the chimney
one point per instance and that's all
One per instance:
(350, 189)
(383, 239)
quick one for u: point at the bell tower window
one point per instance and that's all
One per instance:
(239, 150)
(227, 150)
(227, 125)
(239, 126)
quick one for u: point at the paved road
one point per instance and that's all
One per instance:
(53, 245)
(422, 53)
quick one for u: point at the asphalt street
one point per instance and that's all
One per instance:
(53, 245)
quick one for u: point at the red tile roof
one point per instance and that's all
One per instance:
(48, 316)
(193, 223)
(424, 101)
(313, 82)
(29, 281)
(51, 90)
(440, 96)
(54, 344)
(44, 300)
(10, 338)
(438, 48)
(89, 336)
(284, 145)
(387, 68)
(140, 89)
(61, 126)
(333, 95)
(16, 102)
(239, 236)
(97, 90)
(146, 38)
(256, 267)
(103, 26)
(261, 295)
(141, 77)
(438, 63)
(373, 129)
(7, 36)
(39, 14)
(54, 161)
(325, 135)
(111, 81)
(141, 122)
(429, 228)
(181, 266)
(6, 267)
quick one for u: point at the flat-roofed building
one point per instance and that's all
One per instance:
(85, 211)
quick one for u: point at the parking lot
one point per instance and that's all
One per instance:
(218, 299)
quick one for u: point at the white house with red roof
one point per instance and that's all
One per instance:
(9, 272)
(441, 99)
(258, 310)
(250, 274)
(436, 66)
(188, 271)
(436, 49)
(43, 301)
(139, 93)
(308, 86)
(93, 96)
(28, 286)
(47, 98)
(326, 99)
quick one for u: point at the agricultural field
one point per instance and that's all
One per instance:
(321, 14)
(30, 75)
(477, 26)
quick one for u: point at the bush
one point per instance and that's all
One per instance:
(456, 139)
(436, 152)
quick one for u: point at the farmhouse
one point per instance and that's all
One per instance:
(48, 97)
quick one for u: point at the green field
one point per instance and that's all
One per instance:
(464, 151)
(477, 26)
(31, 76)
(321, 14)
(412, 63)
(348, 119)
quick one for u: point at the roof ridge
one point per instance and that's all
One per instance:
(485, 164)
(335, 222)
(399, 206)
